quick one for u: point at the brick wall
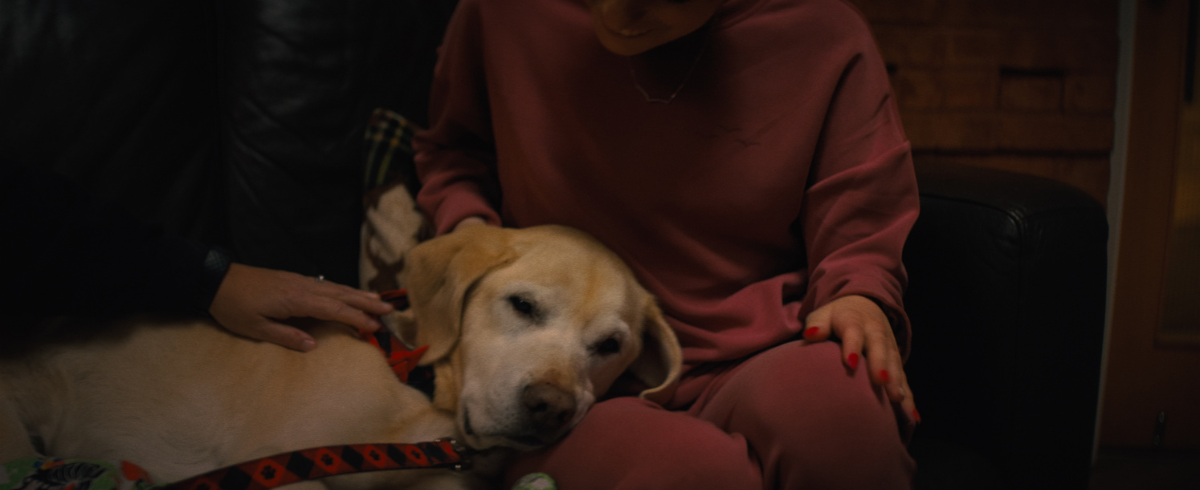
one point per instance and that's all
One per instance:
(1023, 85)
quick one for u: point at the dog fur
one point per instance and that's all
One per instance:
(525, 329)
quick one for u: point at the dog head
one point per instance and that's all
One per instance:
(530, 326)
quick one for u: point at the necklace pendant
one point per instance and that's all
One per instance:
(657, 87)
(656, 100)
(662, 65)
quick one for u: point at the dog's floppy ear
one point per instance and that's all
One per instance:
(439, 274)
(661, 362)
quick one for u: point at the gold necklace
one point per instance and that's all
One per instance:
(687, 76)
(674, 93)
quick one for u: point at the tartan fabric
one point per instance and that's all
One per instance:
(309, 464)
(388, 140)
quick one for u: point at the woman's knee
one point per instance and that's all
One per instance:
(810, 418)
(629, 443)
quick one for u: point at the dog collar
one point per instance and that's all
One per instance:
(402, 360)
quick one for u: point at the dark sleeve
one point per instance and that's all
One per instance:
(66, 253)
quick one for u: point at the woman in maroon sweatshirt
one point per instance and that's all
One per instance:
(746, 158)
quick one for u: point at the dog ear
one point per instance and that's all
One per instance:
(661, 361)
(440, 273)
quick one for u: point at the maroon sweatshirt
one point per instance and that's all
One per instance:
(777, 179)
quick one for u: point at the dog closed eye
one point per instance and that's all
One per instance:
(522, 306)
(608, 346)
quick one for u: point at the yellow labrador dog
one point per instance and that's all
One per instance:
(525, 329)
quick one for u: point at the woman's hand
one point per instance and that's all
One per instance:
(251, 301)
(859, 322)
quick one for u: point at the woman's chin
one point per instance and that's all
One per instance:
(628, 45)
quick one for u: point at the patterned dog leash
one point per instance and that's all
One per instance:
(320, 462)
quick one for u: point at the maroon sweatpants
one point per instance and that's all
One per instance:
(791, 417)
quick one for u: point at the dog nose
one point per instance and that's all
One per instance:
(549, 407)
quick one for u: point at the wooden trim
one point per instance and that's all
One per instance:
(1140, 375)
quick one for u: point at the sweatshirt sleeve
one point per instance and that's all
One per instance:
(70, 254)
(862, 197)
(455, 158)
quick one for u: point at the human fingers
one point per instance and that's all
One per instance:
(847, 327)
(883, 357)
(850, 318)
(852, 347)
(859, 323)
(909, 405)
(332, 309)
(885, 362)
(863, 327)
(897, 389)
(276, 333)
(817, 325)
(366, 301)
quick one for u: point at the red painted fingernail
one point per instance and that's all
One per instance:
(853, 360)
(883, 375)
(811, 332)
(916, 416)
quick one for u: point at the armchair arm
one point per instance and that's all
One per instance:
(1007, 300)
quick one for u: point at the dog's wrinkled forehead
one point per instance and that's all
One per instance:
(587, 278)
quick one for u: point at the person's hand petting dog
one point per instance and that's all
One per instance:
(859, 323)
(252, 301)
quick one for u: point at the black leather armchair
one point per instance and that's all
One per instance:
(239, 123)
(1007, 299)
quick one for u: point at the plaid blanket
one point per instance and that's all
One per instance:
(389, 150)
(392, 223)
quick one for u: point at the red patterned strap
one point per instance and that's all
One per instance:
(320, 462)
(402, 360)
(397, 297)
